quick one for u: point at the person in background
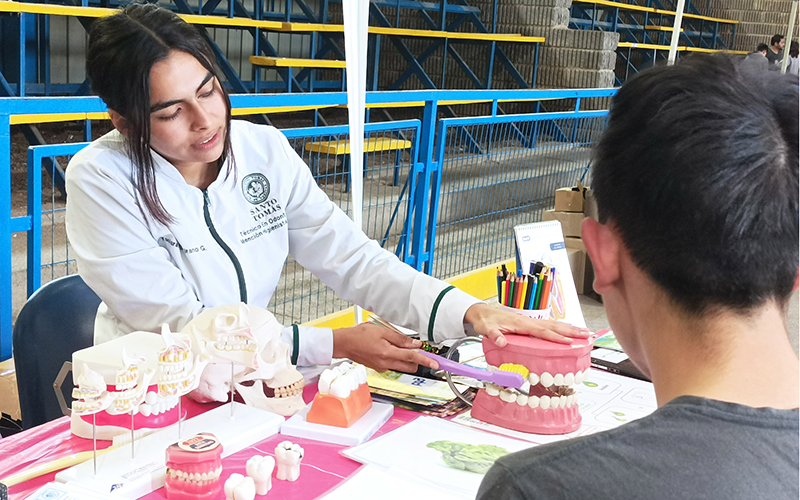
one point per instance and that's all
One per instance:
(700, 304)
(775, 52)
(757, 61)
(794, 65)
(181, 208)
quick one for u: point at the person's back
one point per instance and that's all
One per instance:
(757, 61)
(699, 304)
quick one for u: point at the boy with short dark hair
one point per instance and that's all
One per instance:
(695, 253)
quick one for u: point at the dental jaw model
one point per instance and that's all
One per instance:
(246, 340)
(288, 457)
(193, 468)
(141, 375)
(343, 396)
(551, 407)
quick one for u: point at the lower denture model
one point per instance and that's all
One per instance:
(288, 457)
(343, 396)
(193, 468)
(551, 405)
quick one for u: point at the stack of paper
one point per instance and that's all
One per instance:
(432, 397)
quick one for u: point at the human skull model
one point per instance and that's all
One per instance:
(249, 338)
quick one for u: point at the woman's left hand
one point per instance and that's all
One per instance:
(493, 323)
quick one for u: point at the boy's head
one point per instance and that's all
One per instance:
(697, 173)
(778, 41)
(762, 47)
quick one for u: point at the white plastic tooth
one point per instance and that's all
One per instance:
(533, 379)
(352, 377)
(555, 402)
(325, 380)
(547, 379)
(340, 387)
(533, 401)
(558, 379)
(544, 402)
(580, 377)
(522, 400)
(492, 389)
(361, 371)
(569, 379)
(192, 476)
(563, 401)
(344, 367)
(570, 400)
(204, 476)
(507, 396)
(151, 398)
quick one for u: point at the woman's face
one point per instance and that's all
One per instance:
(187, 112)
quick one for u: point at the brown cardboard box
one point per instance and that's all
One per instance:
(569, 199)
(589, 204)
(570, 221)
(574, 243)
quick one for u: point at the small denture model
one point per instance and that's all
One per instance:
(551, 405)
(343, 396)
(238, 487)
(193, 468)
(260, 470)
(288, 457)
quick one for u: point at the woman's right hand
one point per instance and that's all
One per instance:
(379, 348)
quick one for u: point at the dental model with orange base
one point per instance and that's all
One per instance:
(343, 396)
(551, 405)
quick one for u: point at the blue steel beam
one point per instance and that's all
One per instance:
(5, 237)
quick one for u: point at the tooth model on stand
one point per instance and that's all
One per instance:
(142, 375)
(343, 396)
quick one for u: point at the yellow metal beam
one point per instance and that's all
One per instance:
(292, 62)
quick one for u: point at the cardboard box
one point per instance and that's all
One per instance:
(569, 199)
(590, 204)
(571, 242)
(570, 221)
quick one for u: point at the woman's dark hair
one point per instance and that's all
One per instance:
(793, 49)
(122, 50)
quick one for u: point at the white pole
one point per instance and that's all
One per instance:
(789, 35)
(356, 21)
(676, 32)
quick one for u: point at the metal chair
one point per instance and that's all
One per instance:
(57, 320)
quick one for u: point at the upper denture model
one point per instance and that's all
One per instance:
(551, 404)
(193, 468)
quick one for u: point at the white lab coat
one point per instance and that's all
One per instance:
(148, 274)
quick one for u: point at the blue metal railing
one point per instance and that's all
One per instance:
(403, 191)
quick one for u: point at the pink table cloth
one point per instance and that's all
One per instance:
(322, 469)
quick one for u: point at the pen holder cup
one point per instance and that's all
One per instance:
(531, 313)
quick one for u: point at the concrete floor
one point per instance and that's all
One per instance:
(596, 319)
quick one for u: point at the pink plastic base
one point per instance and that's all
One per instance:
(523, 418)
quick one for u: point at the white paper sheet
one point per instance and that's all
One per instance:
(392, 484)
(406, 449)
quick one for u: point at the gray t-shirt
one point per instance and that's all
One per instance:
(690, 448)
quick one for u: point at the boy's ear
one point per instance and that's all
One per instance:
(119, 122)
(603, 245)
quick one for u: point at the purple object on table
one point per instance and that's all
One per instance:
(501, 378)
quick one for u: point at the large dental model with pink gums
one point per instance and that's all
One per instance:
(551, 404)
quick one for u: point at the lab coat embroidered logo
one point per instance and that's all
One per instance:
(255, 188)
